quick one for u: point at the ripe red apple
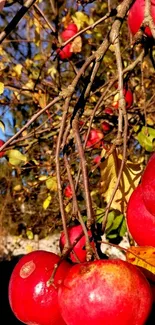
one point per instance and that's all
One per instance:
(136, 16)
(105, 292)
(94, 139)
(68, 191)
(65, 53)
(32, 300)
(109, 111)
(128, 98)
(2, 153)
(141, 222)
(79, 249)
(97, 159)
(70, 31)
(148, 185)
(105, 126)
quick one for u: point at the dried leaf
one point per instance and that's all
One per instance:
(143, 257)
(76, 45)
(129, 180)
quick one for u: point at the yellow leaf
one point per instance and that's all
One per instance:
(2, 126)
(143, 257)
(18, 69)
(16, 157)
(47, 202)
(52, 72)
(17, 188)
(29, 234)
(80, 19)
(1, 88)
(129, 180)
(51, 183)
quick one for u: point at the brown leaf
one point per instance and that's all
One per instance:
(76, 45)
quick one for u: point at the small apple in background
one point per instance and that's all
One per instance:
(95, 138)
(68, 191)
(136, 16)
(141, 222)
(65, 53)
(32, 300)
(148, 185)
(70, 31)
(128, 95)
(109, 111)
(105, 292)
(2, 153)
(79, 249)
(105, 126)
(97, 159)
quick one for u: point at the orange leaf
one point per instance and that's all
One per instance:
(144, 258)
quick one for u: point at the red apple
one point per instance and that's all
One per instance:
(105, 292)
(128, 98)
(105, 126)
(32, 300)
(141, 222)
(68, 191)
(94, 139)
(79, 249)
(148, 185)
(136, 16)
(97, 159)
(109, 111)
(70, 31)
(2, 153)
(65, 53)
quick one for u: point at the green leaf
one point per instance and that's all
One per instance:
(16, 157)
(2, 126)
(146, 137)
(110, 220)
(99, 215)
(51, 183)
(47, 202)
(123, 228)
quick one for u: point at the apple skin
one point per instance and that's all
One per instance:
(68, 191)
(141, 222)
(109, 111)
(105, 292)
(128, 95)
(148, 185)
(94, 139)
(65, 53)
(136, 16)
(31, 300)
(2, 153)
(79, 248)
(105, 126)
(70, 31)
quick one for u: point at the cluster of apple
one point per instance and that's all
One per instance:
(136, 17)
(141, 208)
(69, 32)
(79, 292)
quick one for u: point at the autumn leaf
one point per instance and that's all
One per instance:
(16, 157)
(143, 257)
(51, 183)
(47, 202)
(129, 180)
(76, 45)
(1, 88)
